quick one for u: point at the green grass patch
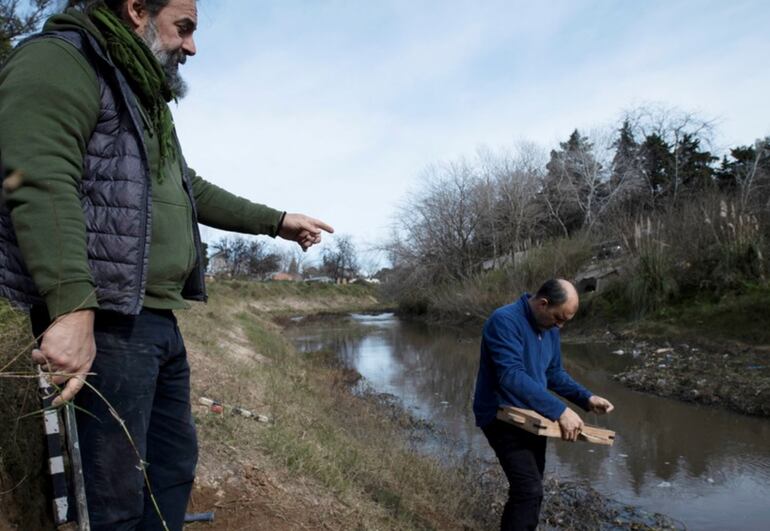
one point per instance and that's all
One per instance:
(740, 315)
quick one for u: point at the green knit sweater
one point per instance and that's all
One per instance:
(49, 105)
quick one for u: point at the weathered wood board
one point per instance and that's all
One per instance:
(534, 422)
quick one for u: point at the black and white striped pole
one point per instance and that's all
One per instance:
(56, 466)
(53, 435)
(76, 464)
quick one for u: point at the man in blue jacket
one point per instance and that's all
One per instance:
(520, 363)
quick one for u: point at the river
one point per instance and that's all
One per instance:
(706, 467)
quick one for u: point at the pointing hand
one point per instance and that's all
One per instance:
(304, 230)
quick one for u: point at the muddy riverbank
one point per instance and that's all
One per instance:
(573, 505)
(723, 373)
(736, 378)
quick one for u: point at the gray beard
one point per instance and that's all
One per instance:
(169, 60)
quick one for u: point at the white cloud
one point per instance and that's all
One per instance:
(335, 108)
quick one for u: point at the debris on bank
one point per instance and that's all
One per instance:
(219, 408)
(735, 377)
(577, 506)
(573, 506)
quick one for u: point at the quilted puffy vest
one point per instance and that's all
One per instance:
(116, 199)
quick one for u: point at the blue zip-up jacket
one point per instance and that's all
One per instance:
(519, 364)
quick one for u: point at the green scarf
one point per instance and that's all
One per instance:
(144, 74)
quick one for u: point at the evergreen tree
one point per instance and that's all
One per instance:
(656, 164)
(695, 171)
(573, 185)
(626, 156)
(747, 172)
(574, 158)
(725, 176)
(293, 266)
(627, 182)
(744, 160)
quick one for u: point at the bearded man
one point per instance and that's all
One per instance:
(100, 238)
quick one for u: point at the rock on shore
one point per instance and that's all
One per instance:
(736, 377)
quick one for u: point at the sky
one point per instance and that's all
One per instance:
(335, 108)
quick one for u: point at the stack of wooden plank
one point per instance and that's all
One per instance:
(534, 422)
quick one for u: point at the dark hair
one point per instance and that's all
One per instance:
(153, 6)
(553, 292)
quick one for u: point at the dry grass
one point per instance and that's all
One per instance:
(223, 357)
(477, 297)
(327, 457)
(22, 454)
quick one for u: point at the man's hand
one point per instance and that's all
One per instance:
(570, 424)
(597, 404)
(68, 346)
(304, 230)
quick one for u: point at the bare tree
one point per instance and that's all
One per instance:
(438, 227)
(468, 215)
(340, 260)
(753, 174)
(15, 21)
(511, 180)
(232, 251)
(247, 258)
(293, 260)
(577, 189)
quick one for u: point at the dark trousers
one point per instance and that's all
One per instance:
(142, 371)
(522, 456)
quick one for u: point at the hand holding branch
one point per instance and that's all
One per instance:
(68, 348)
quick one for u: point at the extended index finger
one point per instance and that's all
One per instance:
(318, 224)
(74, 385)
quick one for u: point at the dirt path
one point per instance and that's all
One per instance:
(236, 480)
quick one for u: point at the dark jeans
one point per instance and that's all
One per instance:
(522, 456)
(142, 371)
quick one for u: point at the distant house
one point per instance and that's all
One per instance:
(506, 260)
(218, 264)
(285, 277)
(320, 280)
(369, 280)
(496, 263)
(385, 275)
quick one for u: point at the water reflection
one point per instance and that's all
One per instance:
(708, 467)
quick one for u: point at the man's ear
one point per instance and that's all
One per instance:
(135, 13)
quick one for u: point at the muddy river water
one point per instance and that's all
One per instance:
(706, 467)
